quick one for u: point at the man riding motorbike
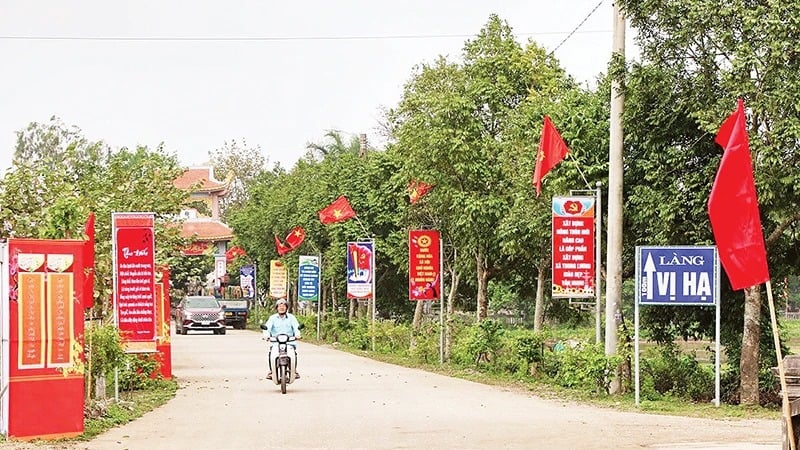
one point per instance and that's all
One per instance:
(283, 322)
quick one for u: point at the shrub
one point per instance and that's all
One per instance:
(680, 375)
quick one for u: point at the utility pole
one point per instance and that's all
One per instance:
(614, 240)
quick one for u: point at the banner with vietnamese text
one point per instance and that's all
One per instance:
(573, 247)
(278, 279)
(424, 265)
(308, 278)
(134, 279)
(44, 348)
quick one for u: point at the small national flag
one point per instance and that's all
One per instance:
(338, 211)
(417, 189)
(233, 253)
(296, 237)
(280, 247)
(552, 150)
(733, 207)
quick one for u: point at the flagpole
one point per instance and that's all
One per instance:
(578, 166)
(362, 226)
(787, 412)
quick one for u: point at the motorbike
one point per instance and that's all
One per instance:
(282, 360)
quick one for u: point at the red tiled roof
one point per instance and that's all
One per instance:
(206, 230)
(201, 179)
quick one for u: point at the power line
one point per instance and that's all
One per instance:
(575, 30)
(277, 38)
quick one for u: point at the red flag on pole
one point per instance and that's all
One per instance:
(552, 150)
(417, 189)
(295, 237)
(280, 247)
(88, 262)
(733, 207)
(338, 211)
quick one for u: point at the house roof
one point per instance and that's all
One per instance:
(204, 229)
(201, 179)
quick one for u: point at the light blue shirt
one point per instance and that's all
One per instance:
(287, 324)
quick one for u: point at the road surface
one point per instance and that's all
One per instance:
(344, 401)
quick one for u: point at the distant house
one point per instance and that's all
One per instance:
(201, 224)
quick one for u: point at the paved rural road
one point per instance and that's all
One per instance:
(345, 401)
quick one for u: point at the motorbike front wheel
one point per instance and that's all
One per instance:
(283, 376)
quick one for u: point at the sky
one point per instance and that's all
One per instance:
(195, 74)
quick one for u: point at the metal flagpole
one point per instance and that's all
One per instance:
(374, 296)
(319, 291)
(598, 264)
(441, 303)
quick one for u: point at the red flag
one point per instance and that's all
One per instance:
(552, 150)
(280, 247)
(233, 253)
(88, 262)
(337, 211)
(417, 189)
(296, 237)
(733, 207)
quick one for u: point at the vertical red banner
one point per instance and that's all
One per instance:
(45, 395)
(573, 247)
(30, 320)
(163, 344)
(60, 313)
(134, 279)
(424, 265)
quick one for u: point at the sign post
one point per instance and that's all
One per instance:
(683, 276)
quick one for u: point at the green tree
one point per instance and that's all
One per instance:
(58, 177)
(704, 54)
(242, 163)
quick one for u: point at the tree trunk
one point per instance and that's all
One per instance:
(538, 313)
(483, 286)
(748, 365)
(353, 305)
(334, 306)
(451, 297)
(417, 316)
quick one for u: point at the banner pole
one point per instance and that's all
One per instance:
(787, 412)
(374, 294)
(319, 292)
(441, 304)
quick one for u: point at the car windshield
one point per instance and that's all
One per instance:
(202, 302)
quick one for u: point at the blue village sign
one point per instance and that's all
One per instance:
(677, 275)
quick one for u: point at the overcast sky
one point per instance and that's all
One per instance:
(298, 76)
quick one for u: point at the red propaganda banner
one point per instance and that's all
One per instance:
(134, 279)
(44, 355)
(424, 265)
(573, 247)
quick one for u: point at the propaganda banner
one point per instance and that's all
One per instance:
(360, 270)
(278, 279)
(308, 278)
(573, 247)
(247, 281)
(43, 353)
(135, 280)
(424, 264)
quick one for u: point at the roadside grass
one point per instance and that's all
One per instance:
(104, 415)
(624, 402)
